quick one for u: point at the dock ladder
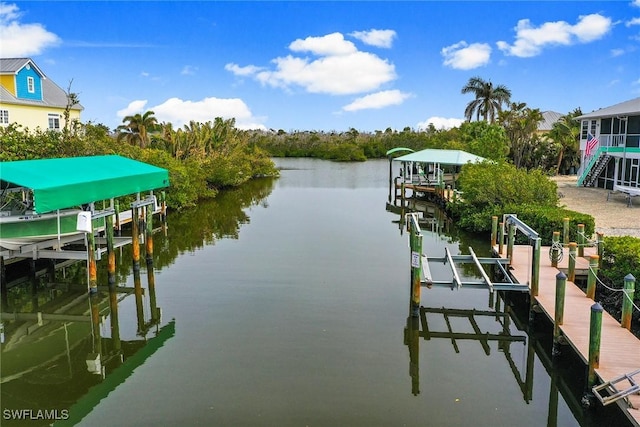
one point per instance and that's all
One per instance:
(614, 393)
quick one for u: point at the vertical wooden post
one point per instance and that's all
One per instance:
(627, 300)
(592, 277)
(573, 251)
(163, 197)
(135, 244)
(390, 176)
(494, 231)
(151, 282)
(595, 335)
(91, 261)
(535, 267)
(581, 240)
(555, 249)
(500, 238)
(111, 254)
(565, 231)
(116, 208)
(600, 247)
(561, 282)
(510, 242)
(416, 251)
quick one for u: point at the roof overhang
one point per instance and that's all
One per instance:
(443, 157)
(67, 182)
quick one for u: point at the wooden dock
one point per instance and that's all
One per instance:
(619, 349)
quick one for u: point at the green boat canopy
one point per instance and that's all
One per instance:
(443, 157)
(73, 181)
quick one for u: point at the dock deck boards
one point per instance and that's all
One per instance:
(619, 348)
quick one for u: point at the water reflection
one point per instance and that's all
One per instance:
(526, 347)
(64, 350)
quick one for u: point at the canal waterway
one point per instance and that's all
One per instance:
(285, 303)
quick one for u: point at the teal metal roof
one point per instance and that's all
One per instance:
(443, 157)
(67, 182)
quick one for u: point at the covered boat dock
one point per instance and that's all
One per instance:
(430, 171)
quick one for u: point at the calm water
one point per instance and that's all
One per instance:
(285, 304)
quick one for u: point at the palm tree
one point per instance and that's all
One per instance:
(489, 99)
(520, 124)
(566, 133)
(136, 128)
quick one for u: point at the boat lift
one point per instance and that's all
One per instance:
(456, 282)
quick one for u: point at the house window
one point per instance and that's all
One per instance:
(54, 121)
(4, 117)
(31, 85)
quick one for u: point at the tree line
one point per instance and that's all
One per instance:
(201, 158)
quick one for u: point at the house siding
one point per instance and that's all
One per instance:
(33, 117)
(22, 90)
(8, 81)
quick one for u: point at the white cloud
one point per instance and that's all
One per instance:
(329, 45)
(617, 52)
(531, 40)
(440, 123)
(339, 69)
(134, 107)
(20, 40)
(632, 21)
(463, 56)
(377, 100)
(188, 70)
(242, 71)
(378, 38)
(635, 3)
(180, 112)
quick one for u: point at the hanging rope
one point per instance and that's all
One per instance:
(587, 241)
(556, 247)
(630, 298)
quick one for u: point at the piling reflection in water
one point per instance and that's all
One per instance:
(58, 354)
(512, 326)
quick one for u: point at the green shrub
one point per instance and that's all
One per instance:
(621, 256)
(543, 219)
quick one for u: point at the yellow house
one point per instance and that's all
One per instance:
(30, 99)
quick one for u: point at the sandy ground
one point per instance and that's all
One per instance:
(613, 217)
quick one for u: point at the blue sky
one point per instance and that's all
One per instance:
(326, 65)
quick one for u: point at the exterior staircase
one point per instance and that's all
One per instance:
(594, 172)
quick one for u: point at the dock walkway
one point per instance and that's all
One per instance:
(619, 348)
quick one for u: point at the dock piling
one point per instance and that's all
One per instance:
(500, 238)
(91, 262)
(510, 242)
(627, 300)
(111, 255)
(581, 240)
(573, 251)
(555, 249)
(593, 276)
(135, 244)
(494, 230)
(600, 247)
(565, 231)
(561, 282)
(595, 335)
